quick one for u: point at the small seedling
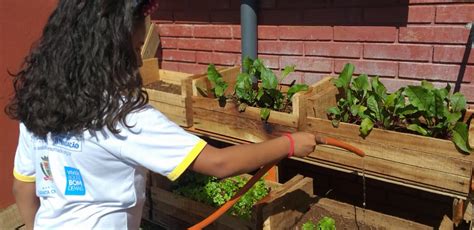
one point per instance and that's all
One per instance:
(326, 223)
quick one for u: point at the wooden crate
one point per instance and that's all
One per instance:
(227, 121)
(281, 209)
(406, 159)
(357, 216)
(177, 107)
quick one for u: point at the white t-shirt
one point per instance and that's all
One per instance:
(97, 180)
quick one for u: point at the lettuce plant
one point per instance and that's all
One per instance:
(215, 192)
(326, 223)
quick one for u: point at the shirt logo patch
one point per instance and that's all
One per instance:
(69, 143)
(45, 168)
(74, 182)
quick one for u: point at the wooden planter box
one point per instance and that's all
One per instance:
(227, 121)
(348, 216)
(410, 160)
(281, 209)
(175, 105)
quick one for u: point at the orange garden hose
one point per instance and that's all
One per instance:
(223, 209)
(334, 142)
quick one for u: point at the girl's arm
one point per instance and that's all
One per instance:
(240, 159)
(27, 201)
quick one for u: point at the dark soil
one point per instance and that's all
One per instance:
(317, 213)
(164, 86)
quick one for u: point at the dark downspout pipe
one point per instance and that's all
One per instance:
(248, 23)
(465, 58)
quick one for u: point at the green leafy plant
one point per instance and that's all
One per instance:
(219, 86)
(326, 223)
(421, 109)
(308, 225)
(267, 95)
(215, 192)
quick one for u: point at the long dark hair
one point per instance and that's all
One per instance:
(83, 72)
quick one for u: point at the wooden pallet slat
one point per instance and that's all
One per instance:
(383, 149)
(424, 179)
(152, 40)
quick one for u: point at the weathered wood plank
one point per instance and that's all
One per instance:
(323, 97)
(165, 97)
(395, 171)
(150, 71)
(238, 127)
(396, 139)
(253, 113)
(151, 43)
(291, 204)
(173, 77)
(393, 148)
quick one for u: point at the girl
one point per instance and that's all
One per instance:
(87, 135)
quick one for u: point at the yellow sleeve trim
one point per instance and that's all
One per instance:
(23, 178)
(187, 160)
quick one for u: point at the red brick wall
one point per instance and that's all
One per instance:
(402, 41)
(21, 25)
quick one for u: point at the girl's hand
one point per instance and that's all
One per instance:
(304, 143)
